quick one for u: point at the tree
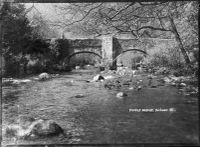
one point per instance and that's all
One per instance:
(15, 27)
(16, 34)
(152, 18)
(41, 29)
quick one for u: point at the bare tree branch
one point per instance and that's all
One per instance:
(122, 10)
(153, 28)
(100, 34)
(88, 12)
(160, 21)
(29, 9)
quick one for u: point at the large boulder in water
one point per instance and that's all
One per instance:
(44, 76)
(30, 127)
(121, 95)
(45, 128)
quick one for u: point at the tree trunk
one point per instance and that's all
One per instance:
(178, 39)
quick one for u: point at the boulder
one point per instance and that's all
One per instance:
(133, 72)
(79, 96)
(167, 80)
(121, 95)
(77, 67)
(130, 88)
(44, 76)
(182, 84)
(29, 127)
(98, 78)
(139, 88)
(173, 84)
(16, 82)
(46, 128)
(109, 77)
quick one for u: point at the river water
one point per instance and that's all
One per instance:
(99, 117)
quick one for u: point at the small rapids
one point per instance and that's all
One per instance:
(92, 114)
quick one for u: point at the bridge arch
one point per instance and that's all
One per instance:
(139, 50)
(128, 50)
(68, 58)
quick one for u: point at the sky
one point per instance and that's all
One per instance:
(48, 11)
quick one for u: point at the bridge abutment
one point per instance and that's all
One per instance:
(107, 49)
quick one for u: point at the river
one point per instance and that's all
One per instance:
(99, 117)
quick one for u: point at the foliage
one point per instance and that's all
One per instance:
(15, 36)
(16, 29)
(168, 57)
(12, 66)
(141, 19)
(41, 28)
(21, 39)
(39, 63)
(54, 47)
(37, 46)
(84, 59)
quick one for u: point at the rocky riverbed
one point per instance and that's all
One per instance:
(115, 109)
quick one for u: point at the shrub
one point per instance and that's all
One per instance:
(168, 57)
(83, 59)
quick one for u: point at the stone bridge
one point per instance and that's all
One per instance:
(108, 49)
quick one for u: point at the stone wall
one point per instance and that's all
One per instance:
(67, 47)
(93, 45)
(84, 43)
(117, 49)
